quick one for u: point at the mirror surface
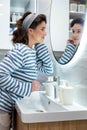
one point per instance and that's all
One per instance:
(65, 32)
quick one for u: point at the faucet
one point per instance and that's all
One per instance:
(51, 86)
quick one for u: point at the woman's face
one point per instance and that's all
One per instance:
(38, 34)
(77, 30)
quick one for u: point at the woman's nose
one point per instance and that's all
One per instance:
(75, 35)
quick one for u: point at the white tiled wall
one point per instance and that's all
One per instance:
(4, 24)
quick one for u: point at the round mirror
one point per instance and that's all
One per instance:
(66, 27)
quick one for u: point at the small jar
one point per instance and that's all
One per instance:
(14, 17)
(73, 7)
(18, 16)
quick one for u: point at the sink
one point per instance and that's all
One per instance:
(40, 108)
(39, 102)
(50, 105)
(36, 104)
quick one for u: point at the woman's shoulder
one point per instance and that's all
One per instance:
(16, 50)
(19, 46)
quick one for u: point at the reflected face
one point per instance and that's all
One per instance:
(77, 30)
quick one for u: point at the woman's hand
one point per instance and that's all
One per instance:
(73, 41)
(35, 85)
(70, 41)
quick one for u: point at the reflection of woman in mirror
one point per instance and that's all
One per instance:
(74, 41)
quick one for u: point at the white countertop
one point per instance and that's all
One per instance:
(55, 112)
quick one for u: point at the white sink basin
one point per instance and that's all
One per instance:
(40, 108)
(39, 102)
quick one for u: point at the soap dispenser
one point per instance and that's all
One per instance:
(66, 92)
(50, 87)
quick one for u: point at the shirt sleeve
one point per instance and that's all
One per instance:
(68, 53)
(12, 61)
(44, 60)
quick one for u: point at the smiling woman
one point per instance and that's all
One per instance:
(73, 42)
(60, 31)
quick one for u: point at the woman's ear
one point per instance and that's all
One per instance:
(30, 30)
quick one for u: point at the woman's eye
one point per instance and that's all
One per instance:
(79, 31)
(73, 31)
(43, 29)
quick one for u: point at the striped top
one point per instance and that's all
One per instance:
(18, 69)
(68, 54)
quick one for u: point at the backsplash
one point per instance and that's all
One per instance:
(2, 53)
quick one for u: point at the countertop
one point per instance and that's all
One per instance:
(64, 113)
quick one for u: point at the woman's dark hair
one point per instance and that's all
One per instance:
(19, 35)
(77, 21)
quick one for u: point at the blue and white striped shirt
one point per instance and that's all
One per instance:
(68, 54)
(18, 69)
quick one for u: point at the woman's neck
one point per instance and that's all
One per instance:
(31, 43)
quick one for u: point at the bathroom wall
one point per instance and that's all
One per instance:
(2, 53)
(31, 6)
(4, 24)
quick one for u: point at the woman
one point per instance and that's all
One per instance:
(20, 66)
(73, 42)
